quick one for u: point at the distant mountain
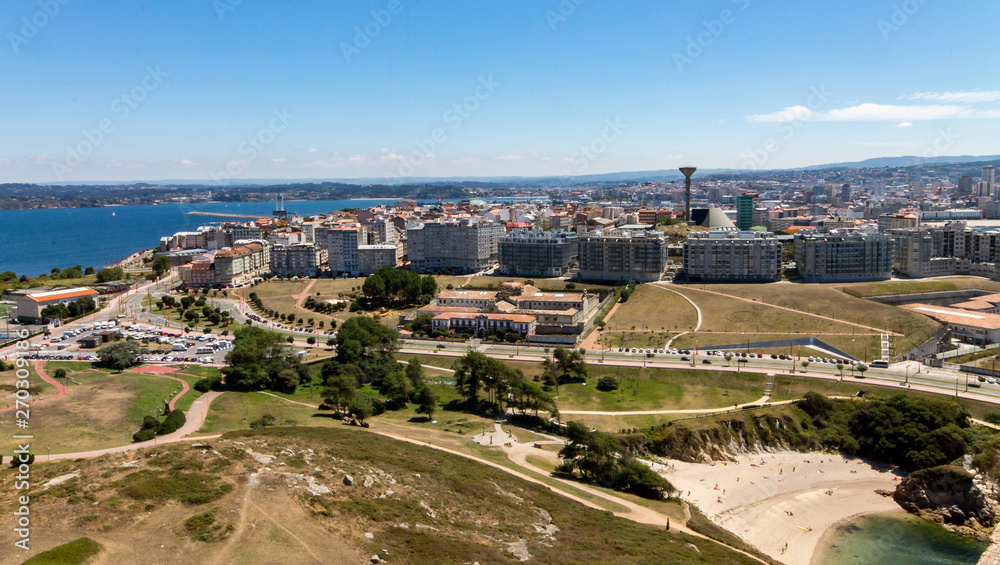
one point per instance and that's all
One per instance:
(662, 175)
(905, 161)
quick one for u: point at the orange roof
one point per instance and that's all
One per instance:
(956, 316)
(62, 294)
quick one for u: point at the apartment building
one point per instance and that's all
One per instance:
(461, 246)
(843, 256)
(727, 256)
(298, 260)
(615, 255)
(533, 253)
(342, 249)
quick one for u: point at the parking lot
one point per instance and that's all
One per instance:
(157, 345)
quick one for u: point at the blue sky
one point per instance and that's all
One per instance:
(229, 89)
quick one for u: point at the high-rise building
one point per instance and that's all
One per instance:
(532, 253)
(843, 256)
(616, 256)
(728, 256)
(463, 246)
(845, 193)
(964, 185)
(745, 204)
(988, 186)
(342, 249)
(297, 260)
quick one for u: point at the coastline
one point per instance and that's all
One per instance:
(801, 498)
(825, 545)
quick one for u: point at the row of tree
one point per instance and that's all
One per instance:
(76, 308)
(262, 360)
(488, 384)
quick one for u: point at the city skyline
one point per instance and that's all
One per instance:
(229, 90)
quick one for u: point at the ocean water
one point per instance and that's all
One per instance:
(34, 241)
(901, 538)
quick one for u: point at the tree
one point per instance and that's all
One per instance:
(571, 365)
(311, 340)
(396, 387)
(608, 383)
(415, 373)
(361, 407)
(862, 368)
(805, 365)
(258, 358)
(110, 274)
(120, 355)
(59, 373)
(340, 390)
(363, 337)
(427, 401)
(88, 271)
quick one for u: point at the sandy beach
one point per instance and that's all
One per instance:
(784, 503)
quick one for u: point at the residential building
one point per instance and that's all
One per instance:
(298, 260)
(240, 265)
(726, 256)
(532, 253)
(614, 256)
(371, 258)
(462, 246)
(342, 249)
(843, 256)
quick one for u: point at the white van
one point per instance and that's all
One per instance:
(204, 351)
(178, 347)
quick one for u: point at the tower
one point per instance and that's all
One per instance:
(687, 172)
(988, 186)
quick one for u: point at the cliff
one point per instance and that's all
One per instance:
(947, 495)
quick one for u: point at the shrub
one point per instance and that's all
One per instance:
(607, 383)
(263, 421)
(143, 435)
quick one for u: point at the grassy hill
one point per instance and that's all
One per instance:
(212, 503)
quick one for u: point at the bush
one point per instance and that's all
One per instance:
(208, 383)
(173, 422)
(143, 435)
(263, 422)
(17, 462)
(607, 383)
(992, 417)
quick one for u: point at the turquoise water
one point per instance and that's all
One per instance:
(34, 241)
(900, 538)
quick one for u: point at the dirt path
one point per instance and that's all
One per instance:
(758, 402)
(636, 513)
(60, 388)
(301, 297)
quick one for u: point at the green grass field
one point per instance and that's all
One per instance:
(656, 309)
(102, 411)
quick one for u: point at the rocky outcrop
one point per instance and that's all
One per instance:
(947, 495)
(744, 434)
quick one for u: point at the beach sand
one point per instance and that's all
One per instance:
(784, 503)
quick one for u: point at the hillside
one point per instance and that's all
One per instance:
(279, 496)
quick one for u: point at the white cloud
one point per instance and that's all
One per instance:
(903, 125)
(963, 97)
(312, 150)
(279, 160)
(788, 114)
(890, 112)
(871, 112)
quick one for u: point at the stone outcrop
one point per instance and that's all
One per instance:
(947, 495)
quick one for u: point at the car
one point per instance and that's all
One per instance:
(706, 361)
(991, 380)
(773, 356)
(982, 379)
(685, 358)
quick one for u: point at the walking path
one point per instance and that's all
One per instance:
(691, 302)
(595, 334)
(60, 388)
(301, 297)
(195, 418)
(758, 402)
